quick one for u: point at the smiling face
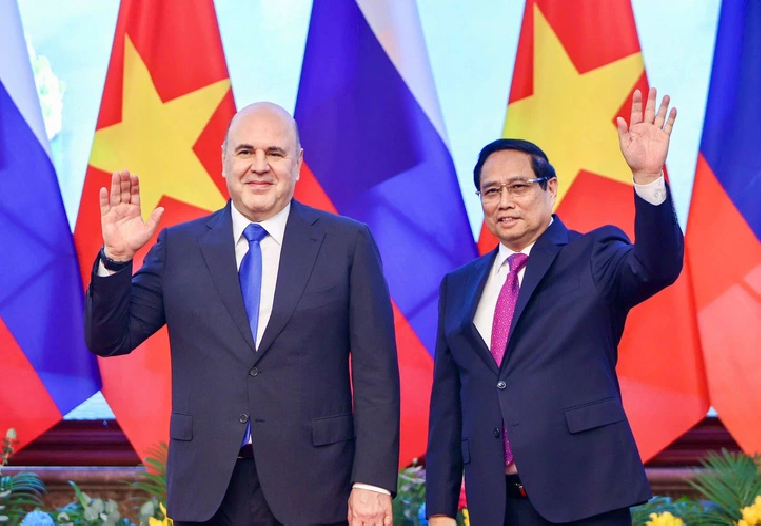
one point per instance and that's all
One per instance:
(516, 221)
(261, 159)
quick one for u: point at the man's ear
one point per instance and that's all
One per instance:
(222, 149)
(552, 186)
(299, 163)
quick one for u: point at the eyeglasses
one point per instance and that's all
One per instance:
(517, 187)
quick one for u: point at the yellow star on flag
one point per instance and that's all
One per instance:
(570, 115)
(155, 139)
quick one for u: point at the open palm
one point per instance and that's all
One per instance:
(645, 141)
(124, 231)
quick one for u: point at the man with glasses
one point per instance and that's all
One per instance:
(525, 394)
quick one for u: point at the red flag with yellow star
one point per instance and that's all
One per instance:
(577, 66)
(165, 108)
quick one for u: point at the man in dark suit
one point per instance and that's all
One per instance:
(268, 303)
(525, 394)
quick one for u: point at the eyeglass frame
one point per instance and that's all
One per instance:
(507, 185)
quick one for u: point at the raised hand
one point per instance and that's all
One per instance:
(645, 141)
(124, 231)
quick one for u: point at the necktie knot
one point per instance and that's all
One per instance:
(517, 261)
(254, 232)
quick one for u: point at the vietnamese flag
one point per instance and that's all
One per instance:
(165, 109)
(724, 228)
(577, 66)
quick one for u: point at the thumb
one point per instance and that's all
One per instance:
(153, 221)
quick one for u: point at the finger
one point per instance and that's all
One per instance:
(670, 122)
(134, 197)
(125, 185)
(636, 116)
(153, 221)
(623, 130)
(115, 197)
(103, 198)
(650, 107)
(660, 117)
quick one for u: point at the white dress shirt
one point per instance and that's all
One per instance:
(654, 193)
(271, 246)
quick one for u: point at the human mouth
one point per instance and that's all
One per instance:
(507, 222)
(258, 185)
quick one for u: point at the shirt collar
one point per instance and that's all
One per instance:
(275, 225)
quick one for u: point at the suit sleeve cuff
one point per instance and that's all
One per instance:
(371, 488)
(654, 193)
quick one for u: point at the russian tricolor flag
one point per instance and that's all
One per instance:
(45, 368)
(724, 226)
(375, 150)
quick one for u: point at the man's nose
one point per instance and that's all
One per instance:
(260, 164)
(505, 197)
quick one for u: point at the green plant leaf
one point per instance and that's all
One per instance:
(731, 481)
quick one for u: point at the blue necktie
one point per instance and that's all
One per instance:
(250, 276)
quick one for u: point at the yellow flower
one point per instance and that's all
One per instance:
(751, 514)
(664, 519)
(166, 522)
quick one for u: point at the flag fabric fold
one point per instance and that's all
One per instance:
(165, 108)
(577, 66)
(724, 225)
(45, 368)
(375, 150)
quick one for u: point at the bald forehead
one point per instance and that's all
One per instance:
(264, 114)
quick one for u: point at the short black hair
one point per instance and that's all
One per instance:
(539, 162)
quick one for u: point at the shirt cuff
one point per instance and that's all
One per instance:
(371, 488)
(654, 193)
(103, 272)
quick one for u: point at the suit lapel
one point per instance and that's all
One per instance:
(473, 291)
(301, 243)
(218, 250)
(542, 255)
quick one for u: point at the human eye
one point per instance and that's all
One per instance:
(492, 191)
(519, 188)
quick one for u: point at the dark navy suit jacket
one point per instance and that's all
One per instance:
(311, 438)
(556, 389)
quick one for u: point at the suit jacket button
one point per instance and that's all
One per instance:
(501, 385)
(496, 432)
(254, 371)
(243, 419)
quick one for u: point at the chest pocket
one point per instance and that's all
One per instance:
(315, 299)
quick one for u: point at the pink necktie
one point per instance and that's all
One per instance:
(503, 317)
